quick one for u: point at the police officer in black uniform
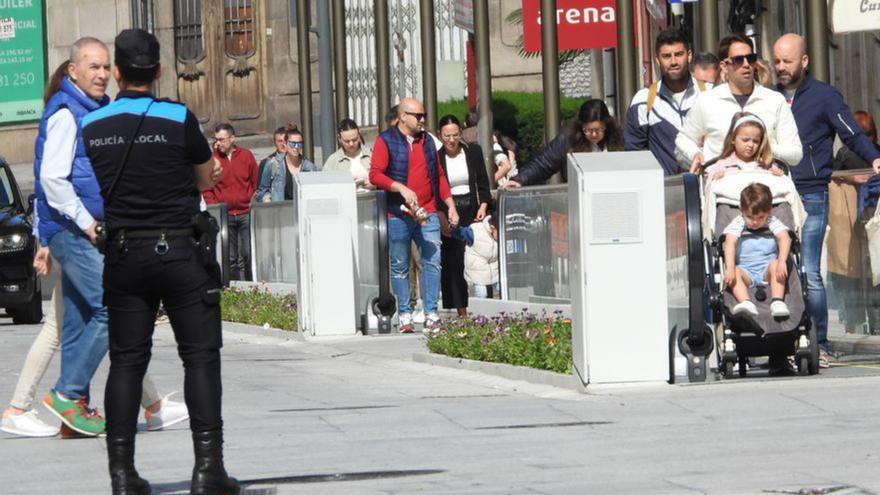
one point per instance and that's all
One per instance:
(151, 161)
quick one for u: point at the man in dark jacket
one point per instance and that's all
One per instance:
(820, 113)
(657, 112)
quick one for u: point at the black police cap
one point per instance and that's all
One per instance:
(137, 49)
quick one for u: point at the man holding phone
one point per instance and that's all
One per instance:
(236, 188)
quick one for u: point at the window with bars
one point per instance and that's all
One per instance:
(143, 15)
(188, 37)
(238, 22)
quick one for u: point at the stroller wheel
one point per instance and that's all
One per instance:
(804, 366)
(728, 369)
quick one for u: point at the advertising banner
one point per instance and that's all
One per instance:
(22, 60)
(581, 24)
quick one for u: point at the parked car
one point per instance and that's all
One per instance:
(20, 291)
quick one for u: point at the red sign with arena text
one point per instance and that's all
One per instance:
(582, 24)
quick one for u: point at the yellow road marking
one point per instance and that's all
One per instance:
(866, 365)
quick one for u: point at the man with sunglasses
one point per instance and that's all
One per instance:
(709, 119)
(236, 188)
(821, 114)
(405, 163)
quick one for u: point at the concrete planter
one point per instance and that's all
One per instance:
(509, 371)
(257, 330)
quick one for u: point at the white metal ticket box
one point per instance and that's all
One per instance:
(325, 222)
(617, 244)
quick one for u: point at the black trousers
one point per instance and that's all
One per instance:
(239, 228)
(136, 280)
(452, 283)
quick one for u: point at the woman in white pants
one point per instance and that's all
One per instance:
(20, 418)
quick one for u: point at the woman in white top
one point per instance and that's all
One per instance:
(470, 191)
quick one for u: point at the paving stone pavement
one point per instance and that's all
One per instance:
(359, 416)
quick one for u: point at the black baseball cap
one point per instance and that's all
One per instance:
(136, 49)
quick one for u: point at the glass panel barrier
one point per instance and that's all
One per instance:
(272, 236)
(533, 244)
(676, 253)
(852, 292)
(368, 249)
(218, 211)
(272, 240)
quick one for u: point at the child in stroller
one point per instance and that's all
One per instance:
(755, 257)
(740, 266)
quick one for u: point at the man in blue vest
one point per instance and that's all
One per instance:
(405, 163)
(69, 206)
(820, 114)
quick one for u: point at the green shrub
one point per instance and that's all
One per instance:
(520, 339)
(517, 115)
(256, 306)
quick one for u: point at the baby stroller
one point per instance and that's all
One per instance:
(742, 336)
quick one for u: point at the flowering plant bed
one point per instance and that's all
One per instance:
(256, 306)
(520, 339)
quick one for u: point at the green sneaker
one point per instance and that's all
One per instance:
(76, 415)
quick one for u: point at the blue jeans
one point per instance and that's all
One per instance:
(816, 204)
(401, 233)
(84, 329)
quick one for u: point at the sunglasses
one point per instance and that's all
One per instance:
(740, 59)
(295, 144)
(418, 116)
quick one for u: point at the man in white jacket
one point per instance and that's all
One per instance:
(702, 137)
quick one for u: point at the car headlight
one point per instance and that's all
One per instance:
(13, 242)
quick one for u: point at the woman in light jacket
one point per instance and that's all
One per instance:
(470, 190)
(352, 156)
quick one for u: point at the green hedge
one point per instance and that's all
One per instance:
(520, 339)
(256, 306)
(517, 115)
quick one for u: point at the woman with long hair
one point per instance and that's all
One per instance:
(594, 130)
(469, 183)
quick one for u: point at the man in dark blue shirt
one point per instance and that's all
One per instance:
(820, 114)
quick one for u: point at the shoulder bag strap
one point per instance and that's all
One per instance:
(134, 135)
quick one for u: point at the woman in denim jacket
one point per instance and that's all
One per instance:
(276, 182)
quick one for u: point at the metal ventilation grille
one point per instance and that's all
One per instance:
(616, 217)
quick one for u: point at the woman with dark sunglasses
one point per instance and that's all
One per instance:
(276, 183)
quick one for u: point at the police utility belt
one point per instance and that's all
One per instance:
(203, 232)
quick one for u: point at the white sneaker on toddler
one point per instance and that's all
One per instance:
(778, 309)
(745, 307)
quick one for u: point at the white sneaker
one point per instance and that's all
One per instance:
(778, 309)
(170, 413)
(418, 316)
(432, 321)
(746, 307)
(27, 425)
